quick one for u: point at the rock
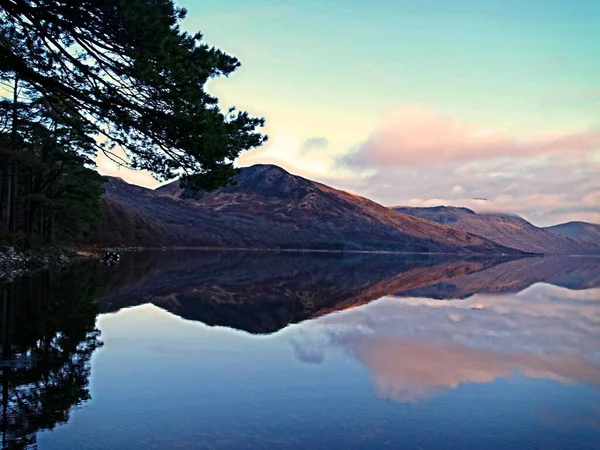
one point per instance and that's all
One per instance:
(14, 264)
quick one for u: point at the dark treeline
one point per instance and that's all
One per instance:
(114, 76)
(49, 190)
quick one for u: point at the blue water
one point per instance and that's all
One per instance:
(515, 369)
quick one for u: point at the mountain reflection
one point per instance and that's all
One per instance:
(48, 336)
(263, 292)
(419, 325)
(538, 317)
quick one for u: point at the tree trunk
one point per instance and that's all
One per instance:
(42, 231)
(51, 233)
(6, 195)
(9, 180)
(13, 200)
(30, 220)
(51, 215)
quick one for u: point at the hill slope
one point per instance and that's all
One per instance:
(579, 231)
(270, 208)
(512, 231)
(262, 292)
(573, 273)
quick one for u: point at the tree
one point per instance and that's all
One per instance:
(11, 103)
(127, 71)
(48, 335)
(62, 196)
(59, 192)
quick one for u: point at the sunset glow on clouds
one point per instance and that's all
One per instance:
(414, 136)
(415, 348)
(547, 179)
(421, 103)
(411, 371)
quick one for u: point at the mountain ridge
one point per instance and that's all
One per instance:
(582, 231)
(264, 292)
(506, 229)
(270, 208)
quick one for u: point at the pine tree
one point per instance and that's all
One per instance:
(127, 70)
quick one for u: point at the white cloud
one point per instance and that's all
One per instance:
(458, 190)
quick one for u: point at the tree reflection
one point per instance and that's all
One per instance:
(48, 333)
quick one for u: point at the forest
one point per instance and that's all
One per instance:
(121, 77)
(50, 192)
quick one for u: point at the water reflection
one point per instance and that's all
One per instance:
(255, 350)
(407, 370)
(48, 336)
(417, 347)
(264, 292)
(539, 317)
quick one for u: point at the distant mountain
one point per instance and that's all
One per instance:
(511, 276)
(270, 208)
(262, 292)
(509, 230)
(579, 231)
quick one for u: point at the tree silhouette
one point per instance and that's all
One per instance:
(48, 335)
(127, 70)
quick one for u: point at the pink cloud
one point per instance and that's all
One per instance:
(412, 371)
(414, 136)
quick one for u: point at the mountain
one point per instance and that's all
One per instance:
(271, 208)
(579, 231)
(262, 292)
(512, 276)
(509, 230)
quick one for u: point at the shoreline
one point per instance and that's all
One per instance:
(293, 250)
(15, 264)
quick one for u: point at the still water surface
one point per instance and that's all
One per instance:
(264, 350)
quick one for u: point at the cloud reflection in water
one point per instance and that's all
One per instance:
(414, 348)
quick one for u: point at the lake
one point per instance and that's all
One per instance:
(192, 349)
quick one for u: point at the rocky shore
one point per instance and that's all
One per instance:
(14, 264)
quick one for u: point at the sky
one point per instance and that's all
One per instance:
(420, 103)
